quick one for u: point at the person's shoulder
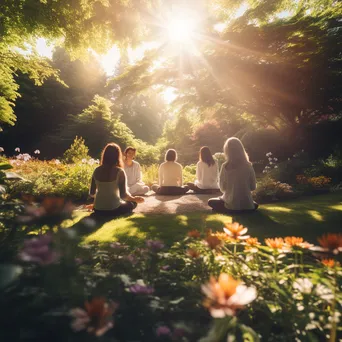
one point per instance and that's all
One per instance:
(136, 163)
(199, 163)
(179, 165)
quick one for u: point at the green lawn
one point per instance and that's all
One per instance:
(308, 217)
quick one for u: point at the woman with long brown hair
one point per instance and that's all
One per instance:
(109, 186)
(206, 173)
(236, 180)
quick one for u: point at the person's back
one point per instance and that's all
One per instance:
(107, 182)
(170, 174)
(206, 175)
(236, 180)
(236, 184)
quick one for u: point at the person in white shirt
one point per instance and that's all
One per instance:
(170, 176)
(236, 180)
(133, 173)
(108, 185)
(206, 173)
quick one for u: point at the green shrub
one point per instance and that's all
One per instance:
(269, 190)
(150, 174)
(77, 151)
(189, 173)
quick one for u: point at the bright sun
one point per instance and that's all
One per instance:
(181, 28)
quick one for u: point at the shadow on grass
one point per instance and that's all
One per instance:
(306, 217)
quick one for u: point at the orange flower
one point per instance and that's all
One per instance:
(212, 241)
(276, 243)
(193, 253)
(96, 318)
(294, 241)
(226, 295)
(194, 233)
(329, 262)
(223, 236)
(236, 231)
(331, 242)
(252, 242)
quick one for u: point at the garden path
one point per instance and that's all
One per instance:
(161, 204)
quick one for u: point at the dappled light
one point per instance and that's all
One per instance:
(316, 215)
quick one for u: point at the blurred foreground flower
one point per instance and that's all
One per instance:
(154, 245)
(212, 241)
(194, 233)
(330, 263)
(303, 285)
(141, 288)
(163, 331)
(226, 295)
(38, 250)
(96, 318)
(51, 208)
(330, 243)
(193, 253)
(236, 231)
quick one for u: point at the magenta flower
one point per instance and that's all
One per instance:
(163, 330)
(154, 245)
(38, 250)
(141, 289)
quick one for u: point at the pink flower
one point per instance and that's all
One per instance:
(38, 250)
(141, 289)
(163, 330)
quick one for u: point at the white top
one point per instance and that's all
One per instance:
(206, 176)
(170, 174)
(107, 196)
(236, 186)
(133, 174)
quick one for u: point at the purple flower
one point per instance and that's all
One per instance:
(141, 289)
(154, 245)
(178, 332)
(163, 330)
(38, 250)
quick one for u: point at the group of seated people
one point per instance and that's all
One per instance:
(117, 185)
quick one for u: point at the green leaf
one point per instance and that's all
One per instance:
(5, 166)
(8, 274)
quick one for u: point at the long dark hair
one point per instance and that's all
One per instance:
(206, 156)
(112, 155)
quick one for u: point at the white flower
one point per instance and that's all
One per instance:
(17, 149)
(23, 156)
(91, 161)
(275, 166)
(303, 285)
(36, 152)
(2, 149)
(57, 162)
(97, 161)
(276, 159)
(324, 292)
(270, 159)
(84, 161)
(264, 171)
(271, 163)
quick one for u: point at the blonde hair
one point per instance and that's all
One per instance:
(235, 153)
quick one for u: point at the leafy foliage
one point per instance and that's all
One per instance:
(77, 151)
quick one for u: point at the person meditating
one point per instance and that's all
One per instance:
(206, 173)
(133, 173)
(170, 176)
(236, 180)
(108, 185)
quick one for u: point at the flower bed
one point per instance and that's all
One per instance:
(209, 286)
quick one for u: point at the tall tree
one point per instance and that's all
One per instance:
(78, 25)
(40, 110)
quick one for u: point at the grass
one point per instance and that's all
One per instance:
(307, 217)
